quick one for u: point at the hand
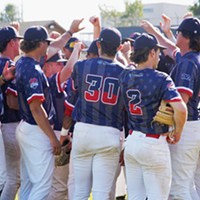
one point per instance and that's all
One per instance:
(56, 146)
(173, 137)
(74, 27)
(94, 20)
(166, 24)
(54, 34)
(8, 72)
(148, 27)
(187, 15)
(121, 158)
(16, 25)
(63, 138)
(126, 47)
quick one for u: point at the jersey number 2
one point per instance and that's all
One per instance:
(135, 99)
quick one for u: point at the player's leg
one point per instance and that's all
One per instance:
(37, 154)
(59, 189)
(184, 157)
(2, 163)
(12, 154)
(105, 162)
(134, 176)
(82, 158)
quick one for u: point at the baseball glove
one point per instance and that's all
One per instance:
(165, 114)
(64, 156)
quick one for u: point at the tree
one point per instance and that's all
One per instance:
(130, 17)
(195, 9)
(9, 14)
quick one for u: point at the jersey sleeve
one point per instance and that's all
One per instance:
(170, 93)
(70, 98)
(184, 76)
(33, 86)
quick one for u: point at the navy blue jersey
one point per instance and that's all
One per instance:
(186, 76)
(70, 98)
(142, 92)
(32, 84)
(10, 115)
(99, 100)
(58, 100)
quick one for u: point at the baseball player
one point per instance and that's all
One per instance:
(37, 111)
(185, 74)
(146, 154)
(98, 115)
(56, 74)
(9, 48)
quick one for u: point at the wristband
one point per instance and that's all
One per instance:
(69, 32)
(3, 78)
(64, 132)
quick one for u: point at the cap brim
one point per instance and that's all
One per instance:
(161, 47)
(20, 37)
(50, 39)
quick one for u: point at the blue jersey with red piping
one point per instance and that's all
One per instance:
(9, 115)
(142, 92)
(99, 100)
(58, 94)
(186, 76)
(32, 84)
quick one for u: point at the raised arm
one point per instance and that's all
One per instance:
(171, 47)
(60, 42)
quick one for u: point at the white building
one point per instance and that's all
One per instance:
(153, 11)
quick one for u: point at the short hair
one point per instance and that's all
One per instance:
(141, 55)
(108, 50)
(194, 43)
(3, 45)
(28, 46)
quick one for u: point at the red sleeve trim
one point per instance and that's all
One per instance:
(11, 91)
(58, 83)
(34, 97)
(68, 109)
(183, 90)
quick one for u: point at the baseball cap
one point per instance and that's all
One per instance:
(191, 25)
(111, 37)
(147, 40)
(58, 57)
(7, 33)
(93, 47)
(70, 43)
(134, 35)
(37, 33)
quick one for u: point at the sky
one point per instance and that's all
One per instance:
(64, 11)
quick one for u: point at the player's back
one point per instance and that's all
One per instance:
(99, 100)
(142, 91)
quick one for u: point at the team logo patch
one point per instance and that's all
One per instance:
(33, 83)
(186, 77)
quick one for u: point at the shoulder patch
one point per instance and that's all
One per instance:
(33, 83)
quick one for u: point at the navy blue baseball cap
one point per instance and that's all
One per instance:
(37, 33)
(58, 57)
(191, 25)
(147, 40)
(134, 35)
(70, 43)
(93, 48)
(7, 33)
(111, 37)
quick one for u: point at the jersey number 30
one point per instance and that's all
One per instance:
(104, 90)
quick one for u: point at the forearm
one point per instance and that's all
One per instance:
(170, 36)
(58, 44)
(68, 68)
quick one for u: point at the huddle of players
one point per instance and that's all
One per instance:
(104, 88)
